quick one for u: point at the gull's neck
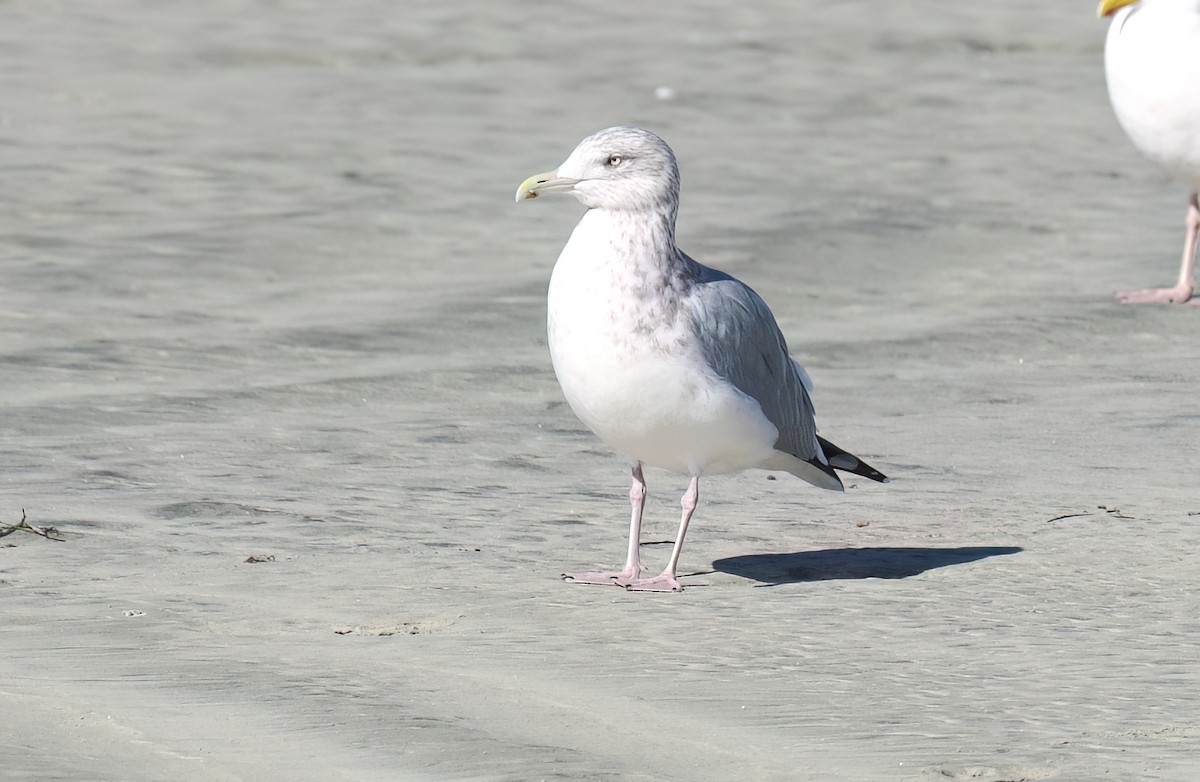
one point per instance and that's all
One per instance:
(640, 246)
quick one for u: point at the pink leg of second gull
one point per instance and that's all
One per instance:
(633, 562)
(1185, 286)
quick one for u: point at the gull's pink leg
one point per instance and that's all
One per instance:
(666, 581)
(633, 562)
(1182, 292)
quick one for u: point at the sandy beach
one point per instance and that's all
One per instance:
(273, 365)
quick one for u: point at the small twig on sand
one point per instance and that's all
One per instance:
(49, 533)
(1113, 512)
(1067, 516)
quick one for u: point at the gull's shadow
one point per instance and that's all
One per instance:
(847, 563)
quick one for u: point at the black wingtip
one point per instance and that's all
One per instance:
(844, 460)
(831, 481)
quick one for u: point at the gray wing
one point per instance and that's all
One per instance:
(742, 343)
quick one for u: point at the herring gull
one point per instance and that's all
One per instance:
(669, 362)
(1152, 65)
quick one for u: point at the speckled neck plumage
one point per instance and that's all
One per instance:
(646, 263)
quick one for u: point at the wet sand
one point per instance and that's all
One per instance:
(264, 294)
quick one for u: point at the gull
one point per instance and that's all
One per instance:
(671, 363)
(1152, 64)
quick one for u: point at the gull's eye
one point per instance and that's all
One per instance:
(614, 161)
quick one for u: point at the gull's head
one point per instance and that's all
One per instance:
(624, 169)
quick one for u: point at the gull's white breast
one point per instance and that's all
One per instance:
(631, 367)
(1152, 64)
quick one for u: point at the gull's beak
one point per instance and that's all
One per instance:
(1110, 7)
(548, 182)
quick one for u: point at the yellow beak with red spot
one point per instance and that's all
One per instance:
(548, 182)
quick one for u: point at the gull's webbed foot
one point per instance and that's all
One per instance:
(1180, 294)
(661, 583)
